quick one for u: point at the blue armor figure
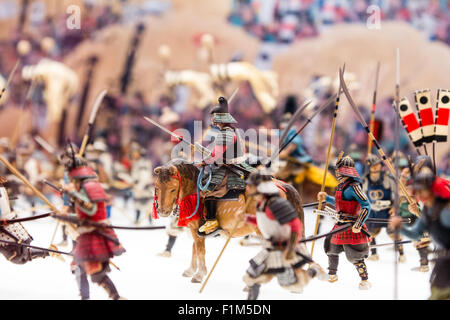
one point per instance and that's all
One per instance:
(379, 187)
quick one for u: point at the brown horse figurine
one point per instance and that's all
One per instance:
(178, 179)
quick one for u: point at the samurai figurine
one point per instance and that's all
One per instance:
(434, 193)
(380, 188)
(350, 200)
(282, 256)
(228, 166)
(15, 233)
(95, 246)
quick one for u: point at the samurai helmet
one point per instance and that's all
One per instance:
(220, 113)
(422, 173)
(76, 165)
(263, 180)
(403, 162)
(354, 152)
(372, 160)
(345, 166)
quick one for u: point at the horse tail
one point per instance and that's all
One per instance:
(295, 199)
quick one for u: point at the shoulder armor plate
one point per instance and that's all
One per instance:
(282, 210)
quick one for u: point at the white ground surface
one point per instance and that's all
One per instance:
(144, 275)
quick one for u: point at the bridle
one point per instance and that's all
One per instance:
(175, 211)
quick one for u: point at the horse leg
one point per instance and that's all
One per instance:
(193, 267)
(198, 277)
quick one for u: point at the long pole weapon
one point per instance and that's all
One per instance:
(88, 133)
(288, 127)
(374, 105)
(36, 191)
(375, 142)
(308, 121)
(238, 221)
(196, 146)
(9, 78)
(330, 144)
(396, 199)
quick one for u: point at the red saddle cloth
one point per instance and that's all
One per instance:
(187, 207)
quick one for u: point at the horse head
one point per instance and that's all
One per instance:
(167, 189)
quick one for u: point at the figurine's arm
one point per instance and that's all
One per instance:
(330, 200)
(416, 230)
(356, 193)
(224, 139)
(445, 217)
(84, 203)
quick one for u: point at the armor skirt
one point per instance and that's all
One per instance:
(97, 246)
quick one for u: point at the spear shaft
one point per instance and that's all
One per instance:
(330, 144)
(374, 105)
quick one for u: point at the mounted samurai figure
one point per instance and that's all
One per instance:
(15, 232)
(95, 246)
(227, 165)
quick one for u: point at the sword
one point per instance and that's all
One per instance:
(88, 133)
(45, 145)
(348, 218)
(197, 146)
(389, 244)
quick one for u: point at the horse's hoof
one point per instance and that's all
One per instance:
(197, 278)
(188, 273)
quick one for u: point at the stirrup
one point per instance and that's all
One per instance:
(209, 228)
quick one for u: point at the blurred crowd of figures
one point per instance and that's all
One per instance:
(286, 21)
(121, 118)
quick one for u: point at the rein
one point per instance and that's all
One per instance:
(201, 187)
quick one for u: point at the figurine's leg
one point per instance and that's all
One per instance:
(374, 233)
(423, 253)
(102, 279)
(82, 282)
(356, 254)
(254, 284)
(332, 251)
(170, 243)
(138, 214)
(253, 292)
(398, 247)
(211, 223)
